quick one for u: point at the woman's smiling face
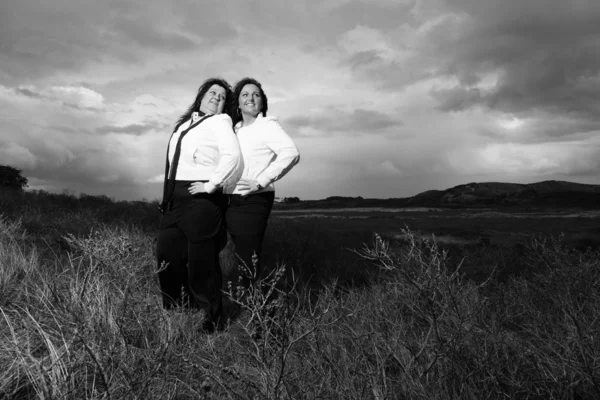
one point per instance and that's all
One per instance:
(250, 100)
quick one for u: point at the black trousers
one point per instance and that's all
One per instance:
(190, 238)
(246, 220)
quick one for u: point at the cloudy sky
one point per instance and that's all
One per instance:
(384, 98)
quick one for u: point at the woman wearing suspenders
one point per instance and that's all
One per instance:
(203, 156)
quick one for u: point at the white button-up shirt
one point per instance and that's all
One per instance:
(209, 151)
(268, 152)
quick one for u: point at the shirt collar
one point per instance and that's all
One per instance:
(258, 118)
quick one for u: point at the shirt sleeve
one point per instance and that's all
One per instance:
(285, 149)
(230, 166)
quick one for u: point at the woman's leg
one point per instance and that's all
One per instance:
(204, 276)
(201, 224)
(247, 223)
(172, 254)
(247, 247)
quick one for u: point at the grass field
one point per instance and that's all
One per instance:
(360, 304)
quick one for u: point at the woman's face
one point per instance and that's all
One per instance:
(250, 100)
(213, 101)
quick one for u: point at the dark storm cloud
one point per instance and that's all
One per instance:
(545, 55)
(29, 93)
(358, 121)
(457, 98)
(133, 129)
(53, 97)
(207, 24)
(68, 129)
(383, 15)
(39, 38)
(84, 166)
(137, 32)
(363, 58)
(544, 129)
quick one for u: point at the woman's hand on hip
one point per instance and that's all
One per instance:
(247, 186)
(197, 187)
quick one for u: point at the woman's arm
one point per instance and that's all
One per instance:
(282, 145)
(230, 166)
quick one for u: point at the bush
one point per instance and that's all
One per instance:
(11, 178)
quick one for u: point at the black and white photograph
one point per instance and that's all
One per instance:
(314, 199)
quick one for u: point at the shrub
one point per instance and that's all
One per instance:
(11, 178)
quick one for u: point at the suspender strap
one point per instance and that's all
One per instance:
(171, 170)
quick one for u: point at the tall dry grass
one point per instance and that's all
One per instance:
(81, 318)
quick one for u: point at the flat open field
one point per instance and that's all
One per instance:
(481, 240)
(460, 226)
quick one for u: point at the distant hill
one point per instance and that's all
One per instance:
(546, 193)
(559, 194)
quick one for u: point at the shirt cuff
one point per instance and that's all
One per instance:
(209, 187)
(263, 181)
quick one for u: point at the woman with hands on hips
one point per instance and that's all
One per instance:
(268, 154)
(203, 156)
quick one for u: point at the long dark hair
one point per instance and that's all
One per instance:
(236, 116)
(201, 92)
